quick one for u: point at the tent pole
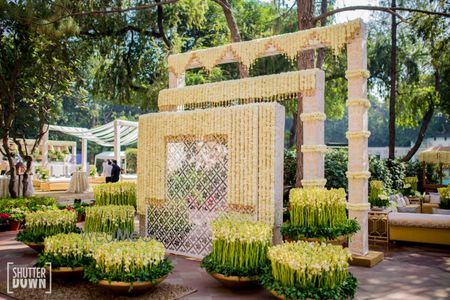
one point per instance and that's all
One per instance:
(44, 149)
(117, 142)
(84, 155)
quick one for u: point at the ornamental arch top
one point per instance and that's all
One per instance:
(308, 82)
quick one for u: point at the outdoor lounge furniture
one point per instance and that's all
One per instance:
(420, 228)
(403, 203)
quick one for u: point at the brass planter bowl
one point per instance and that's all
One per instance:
(139, 287)
(38, 247)
(67, 273)
(235, 281)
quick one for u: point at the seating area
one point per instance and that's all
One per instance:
(419, 228)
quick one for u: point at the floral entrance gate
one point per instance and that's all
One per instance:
(193, 165)
(254, 181)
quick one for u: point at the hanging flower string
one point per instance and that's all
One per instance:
(276, 87)
(289, 45)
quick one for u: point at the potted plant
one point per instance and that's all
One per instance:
(118, 193)
(42, 224)
(70, 253)
(110, 219)
(444, 205)
(309, 270)
(135, 267)
(17, 218)
(4, 219)
(239, 250)
(92, 171)
(377, 199)
(318, 214)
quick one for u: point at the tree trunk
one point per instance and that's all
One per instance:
(232, 25)
(393, 75)
(423, 128)
(26, 175)
(426, 120)
(12, 168)
(305, 60)
(292, 130)
(323, 22)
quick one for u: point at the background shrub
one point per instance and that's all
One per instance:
(290, 165)
(131, 157)
(335, 168)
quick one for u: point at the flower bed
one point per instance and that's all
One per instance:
(71, 250)
(239, 246)
(120, 193)
(42, 224)
(303, 270)
(318, 213)
(110, 219)
(129, 261)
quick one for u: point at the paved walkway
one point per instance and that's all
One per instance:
(409, 272)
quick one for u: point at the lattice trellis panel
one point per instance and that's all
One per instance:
(195, 164)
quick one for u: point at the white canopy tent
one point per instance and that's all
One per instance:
(114, 134)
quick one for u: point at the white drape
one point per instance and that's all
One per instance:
(103, 135)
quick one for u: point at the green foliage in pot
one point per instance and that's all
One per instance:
(318, 213)
(239, 246)
(119, 193)
(133, 261)
(302, 270)
(71, 250)
(110, 219)
(42, 224)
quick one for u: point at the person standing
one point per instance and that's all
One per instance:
(115, 173)
(107, 171)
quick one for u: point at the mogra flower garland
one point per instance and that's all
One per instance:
(239, 246)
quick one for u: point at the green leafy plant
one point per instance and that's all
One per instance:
(376, 196)
(42, 224)
(141, 260)
(318, 213)
(92, 170)
(119, 193)
(30, 203)
(110, 219)
(131, 158)
(444, 193)
(71, 249)
(239, 246)
(302, 270)
(335, 168)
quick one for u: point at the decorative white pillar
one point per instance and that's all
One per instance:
(44, 149)
(313, 148)
(84, 164)
(358, 134)
(117, 142)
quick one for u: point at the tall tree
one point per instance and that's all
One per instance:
(393, 83)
